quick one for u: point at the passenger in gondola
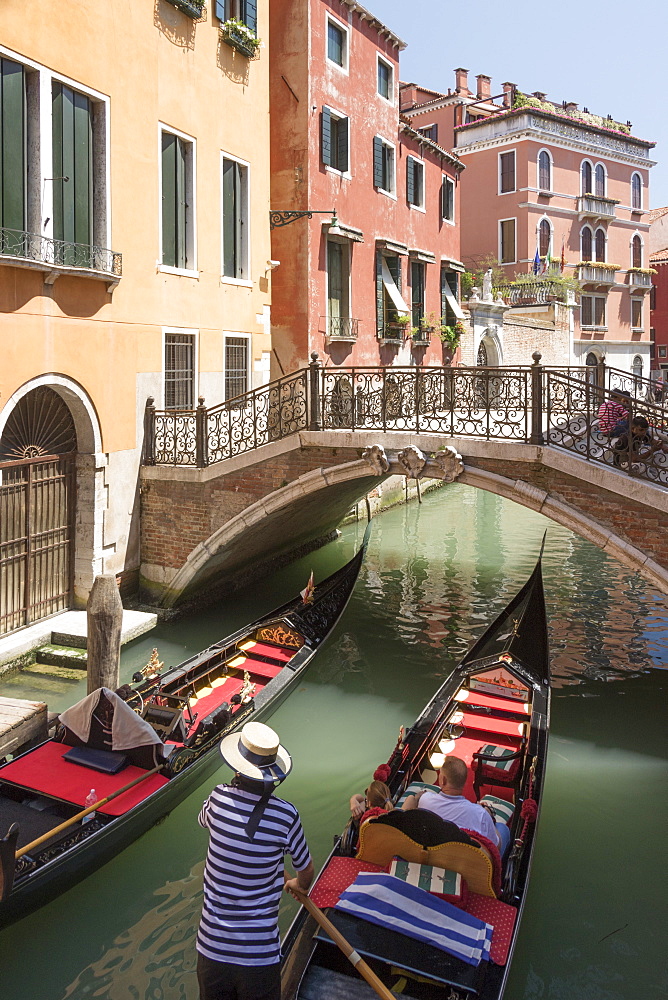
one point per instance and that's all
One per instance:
(452, 805)
(376, 800)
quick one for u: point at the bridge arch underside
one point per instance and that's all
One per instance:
(626, 518)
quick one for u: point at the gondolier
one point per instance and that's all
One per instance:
(250, 832)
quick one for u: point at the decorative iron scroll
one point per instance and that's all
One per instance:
(280, 635)
(175, 437)
(60, 253)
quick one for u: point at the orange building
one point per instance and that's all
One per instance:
(376, 284)
(134, 249)
(553, 187)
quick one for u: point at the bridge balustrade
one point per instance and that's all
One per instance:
(555, 407)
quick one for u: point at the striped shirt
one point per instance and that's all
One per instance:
(609, 415)
(243, 878)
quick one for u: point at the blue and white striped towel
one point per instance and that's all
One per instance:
(399, 906)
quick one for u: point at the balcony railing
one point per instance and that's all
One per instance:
(422, 335)
(531, 293)
(193, 8)
(593, 207)
(341, 328)
(239, 37)
(597, 274)
(640, 280)
(31, 249)
(394, 333)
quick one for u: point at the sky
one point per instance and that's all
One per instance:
(600, 55)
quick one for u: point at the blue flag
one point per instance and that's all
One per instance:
(536, 262)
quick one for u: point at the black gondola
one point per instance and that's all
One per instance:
(175, 720)
(493, 712)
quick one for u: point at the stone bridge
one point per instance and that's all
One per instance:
(218, 526)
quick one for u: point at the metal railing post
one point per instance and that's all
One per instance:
(149, 431)
(201, 448)
(537, 436)
(315, 412)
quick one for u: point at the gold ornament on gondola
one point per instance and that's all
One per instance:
(247, 690)
(153, 667)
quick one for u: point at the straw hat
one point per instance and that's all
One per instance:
(256, 753)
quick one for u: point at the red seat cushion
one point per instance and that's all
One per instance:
(337, 876)
(502, 918)
(265, 649)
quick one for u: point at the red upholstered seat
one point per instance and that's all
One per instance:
(337, 876)
(259, 668)
(488, 724)
(496, 703)
(265, 649)
(502, 918)
(43, 770)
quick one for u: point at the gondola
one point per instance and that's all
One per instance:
(406, 880)
(144, 749)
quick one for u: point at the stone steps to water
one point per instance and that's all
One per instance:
(57, 655)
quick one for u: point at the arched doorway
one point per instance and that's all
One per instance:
(37, 486)
(594, 371)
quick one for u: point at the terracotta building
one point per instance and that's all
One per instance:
(375, 284)
(134, 249)
(555, 188)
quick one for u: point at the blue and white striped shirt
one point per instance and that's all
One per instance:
(243, 878)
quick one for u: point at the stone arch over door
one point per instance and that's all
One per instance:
(490, 351)
(88, 462)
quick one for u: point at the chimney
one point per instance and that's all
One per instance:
(509, 94)
(571, 107)
(462, 81)
(407, 95)
(539, 95)
(484, 87)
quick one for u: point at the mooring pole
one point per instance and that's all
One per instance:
(104, 614)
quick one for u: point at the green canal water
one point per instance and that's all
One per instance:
(595, 922)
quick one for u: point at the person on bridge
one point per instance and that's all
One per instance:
(613, 414)
(250, 832)
(452, 805)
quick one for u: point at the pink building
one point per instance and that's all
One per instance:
(376, 284)
(553, 181)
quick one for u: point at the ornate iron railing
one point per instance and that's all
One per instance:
(534, 404)
(341, 327)
(531, 293)
(59, 253)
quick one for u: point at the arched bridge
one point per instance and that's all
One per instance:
(228, 489)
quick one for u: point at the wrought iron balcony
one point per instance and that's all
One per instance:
(239, 37)
(640, 280)
(593, 207)
(539, 292)
(393, 333)
(193, 8)
(343, 328)
(422, 335)
(595, 273)
(58, 257)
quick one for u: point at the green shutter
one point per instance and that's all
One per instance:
(326, 122)
(232, 220)
(181, 205)
(83, 170)
(410, 180)
(12, 149)
(342, 144)
(169, 199)
(377, 161)
(249, 14)
(72, 159)
(380, 295)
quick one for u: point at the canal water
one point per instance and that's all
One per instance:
(436, 574)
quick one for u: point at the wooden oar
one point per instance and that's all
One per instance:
(84, 812)
(337, 937)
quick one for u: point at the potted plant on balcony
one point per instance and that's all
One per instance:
(240, 37)
(451, 334)
(193, 8)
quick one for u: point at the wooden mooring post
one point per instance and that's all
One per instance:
(104, 615)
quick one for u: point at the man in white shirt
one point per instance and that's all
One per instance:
(451, 804)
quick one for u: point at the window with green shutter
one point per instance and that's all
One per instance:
(449, 280)
(383, 165)
(448, 199)
(414, 182)
(334, 140)
(13, 164)
(417, 292)
(240, 10)
(72, 172)
(177, 201)
(235, 219)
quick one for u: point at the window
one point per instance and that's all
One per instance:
(235, 220)
(652, 297)
(236, 366)
(179, 371)
(544, 237)
(507, 241)
(506, 172)
(586, 243)
(429, 132)
(414, 182)
(586, 176)
(592, 310)
(663, 351)
(334, 140)
(599, 181)
(177, 193)
(637, 366)
(544, 171)
(417, 292)
(636, 252)
(383, 165)
(385, 80)
(450, 308)
(337, 43)
(636, 314)
(338, 284)
(636, 191)
(600, 242)
(13, 166)
(390, 304)
(72, 127)
(241, 10)
(448, 199)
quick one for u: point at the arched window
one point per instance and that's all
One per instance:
(636, 252)
(544, 235)
(482, 355)
(592, 362)
(544, 171)
(586, 243)
(586, 177)
(637, 366)
(636, 191)
(600, 244)
(599, 179)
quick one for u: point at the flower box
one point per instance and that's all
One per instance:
(193, 8)
(240, 37)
